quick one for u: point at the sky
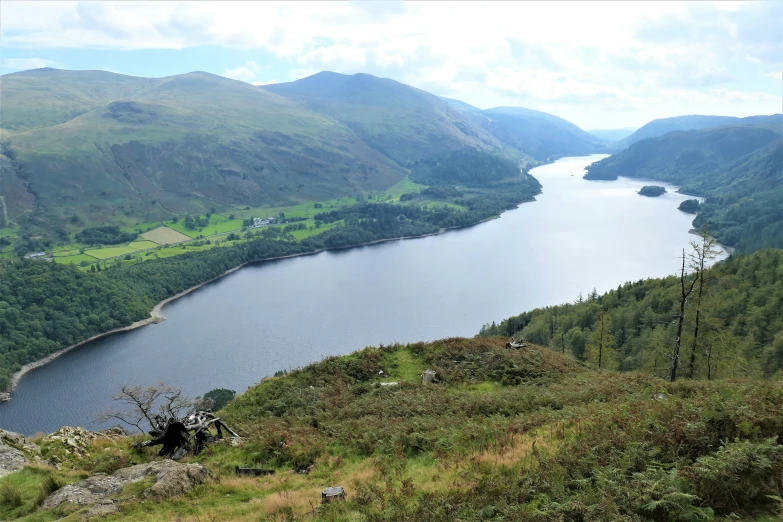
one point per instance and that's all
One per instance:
(601, 65)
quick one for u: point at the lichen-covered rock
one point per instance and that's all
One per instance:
(171, 478)
(101, 508)
(15, 452)
(76, 439)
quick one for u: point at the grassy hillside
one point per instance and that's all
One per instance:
(662, 126)
(533, 133)
(157, 148)
(46, 97)
(740, 329)
(500, 435)
(738, 169)
(404, 123)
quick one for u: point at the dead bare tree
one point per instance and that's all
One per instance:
(685, 291)
(703, 252)
(142, 406)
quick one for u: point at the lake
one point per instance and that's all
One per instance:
(278, 315)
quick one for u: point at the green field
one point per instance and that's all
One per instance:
(109, 252)
(164, 236)
(74, 259)
(155, 234)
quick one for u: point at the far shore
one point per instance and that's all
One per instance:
(157, 316)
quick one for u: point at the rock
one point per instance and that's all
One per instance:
(11, 459)
(333, 494)
(100, 490)
(15, 452)
(101, 508)
(428, 376)
(77, 439)
(117, 432)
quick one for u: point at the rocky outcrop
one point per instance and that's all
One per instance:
(101, 491)
(15, 452)
(76, 440)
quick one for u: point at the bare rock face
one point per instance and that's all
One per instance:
(171, 478)
(15, 452)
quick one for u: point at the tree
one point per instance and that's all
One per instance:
(703, 252)
(576, 341)
(685, 291)
(215, 399)
(600, 344)
(141, 407)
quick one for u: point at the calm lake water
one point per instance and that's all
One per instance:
(284, 314)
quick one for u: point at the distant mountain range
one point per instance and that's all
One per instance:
(539, 134)
(612, 134)
(662, 126)
(94, 147)
(88, 147)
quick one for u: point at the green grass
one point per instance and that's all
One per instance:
(142, 244)
(21, 492)
(74, 259)
(109, 252)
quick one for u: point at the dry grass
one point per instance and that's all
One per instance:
(165, 236)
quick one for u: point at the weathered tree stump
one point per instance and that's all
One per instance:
(428, 376)
(333, 494)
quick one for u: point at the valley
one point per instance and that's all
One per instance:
(317, 244)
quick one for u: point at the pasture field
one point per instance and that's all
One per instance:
(109, 252)
(164, 236)
(142, 245)
(74, 259)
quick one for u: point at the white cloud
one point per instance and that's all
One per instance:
(598, 63)
(269, 82)
(245, 73)
(22, 64)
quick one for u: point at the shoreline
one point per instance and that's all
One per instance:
(157, 316)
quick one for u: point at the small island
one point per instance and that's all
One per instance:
(691, 206)
(652, 191)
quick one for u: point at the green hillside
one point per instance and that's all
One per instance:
(739, 331)
(176, 145)
(404, 123)
(534, 133)
(45, 97)
(662, 126)
(738, 169)
(499, 435)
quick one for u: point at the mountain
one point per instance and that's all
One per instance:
(404, 123)
(679, 123)
(612, 134)
(538, 134)
(738, 169)
(107, 147)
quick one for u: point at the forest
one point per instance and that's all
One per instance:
(468, 166)
(108, 235)
(739, 332)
